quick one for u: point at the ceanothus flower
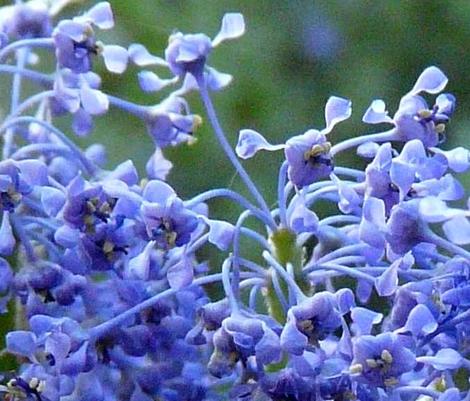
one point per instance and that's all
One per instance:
(170, 122)
(188, 53)
(79, 94)
(26, 20)
(381, 360)
(308, 155)
(167, 220)
(414, 119)
(314, 319)
(76, 44)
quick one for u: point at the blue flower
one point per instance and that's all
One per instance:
(76, 43)
(167, 220)
(414, 119)
(188, 53)
(381, 359)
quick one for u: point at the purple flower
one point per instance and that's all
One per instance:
(405, 229)
(378, 181)
(308, 154)
(79, 94)
(26, 20)
(76, 43)
(166, 219)
(310, 321)
(414, 119)
(188, 53)
(381, 359)
(169, 123)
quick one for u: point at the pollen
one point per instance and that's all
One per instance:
(317, 150)
(386, 356)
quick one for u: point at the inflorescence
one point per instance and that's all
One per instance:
(102, 268)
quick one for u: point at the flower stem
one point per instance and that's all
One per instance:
(226, 146)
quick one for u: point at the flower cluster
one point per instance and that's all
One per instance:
(105, 271)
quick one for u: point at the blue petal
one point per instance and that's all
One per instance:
(345, 300)
(141, 56)
(435, 210)
(233, 26)
(34, 172)
(93, 101)
(139, 267)
(220, 233)
(151, 82)
(58, 345)
(157, 166)
(457, 230)
(432, 80)
(337, 109)
(445, 103)
(364, 319)
(445, 359)
(217, 80)
(376, 113)
(7, 239)
(52, 200)
(101, 15)
(181, 274)
(66, 236)
(125, 172)
(268, 349)
(420, 321)
(368, 150)
(82, 123)
(115, 58)
(292, 340)
(21, 343)
(458, 158)
(97, 154)
(387, 283)
(158, 192)
(303, 220)
(250, 142)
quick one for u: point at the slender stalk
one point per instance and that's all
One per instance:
(281, 193)
(100, 330)
(226, 146)
(236, 197)
(40, 78)
(37, 43)
(22, 55)
(353, 142)
(75, 150)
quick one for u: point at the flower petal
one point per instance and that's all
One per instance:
(93, 101)
(432, 80)
(337, 109)
(420, 321)
(250, 142)
(7, 239)
(180, 274)
(376, 113)
(446, 358)
(140, 56)
(157, 166)
(115, 58)
(101, 15)
(457, 230)
(233, 26)
(217, 80)
(52, 200)
(151, 82)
